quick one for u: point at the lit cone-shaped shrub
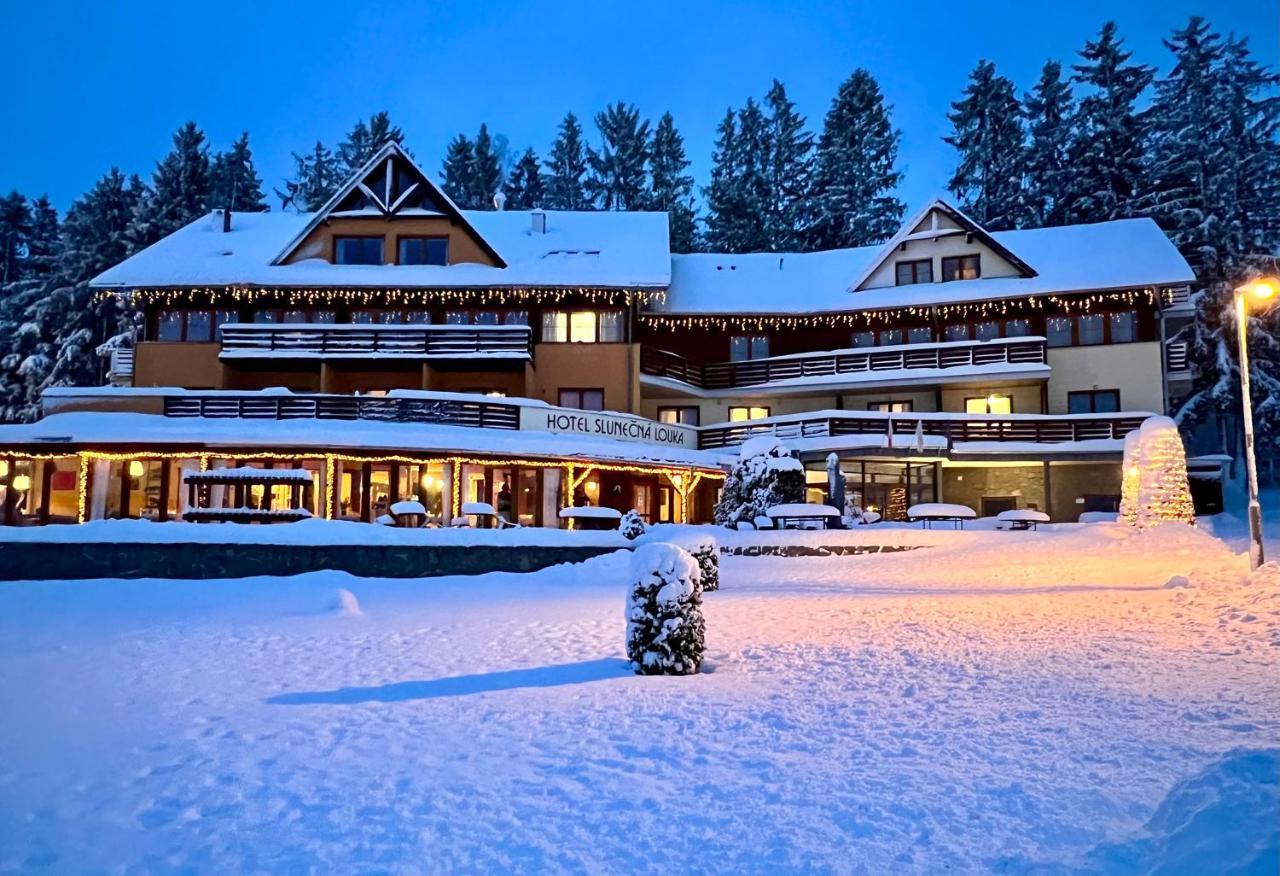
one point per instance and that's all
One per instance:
(1132, 469)
(1164, 495)
(665, 631)
(631, 525)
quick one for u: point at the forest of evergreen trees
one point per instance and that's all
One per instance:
(1194, 144)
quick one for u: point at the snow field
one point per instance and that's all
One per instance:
(1089, 699)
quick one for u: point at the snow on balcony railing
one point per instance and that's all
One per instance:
(343, 341)
(287, 406)
(120, 368)
(994, 355)
(1176, 356)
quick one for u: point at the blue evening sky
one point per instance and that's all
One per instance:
(91, 85)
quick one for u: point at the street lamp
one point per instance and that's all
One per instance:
(1259, 291)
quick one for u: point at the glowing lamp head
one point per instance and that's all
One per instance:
(1261, 290)
(136, 469)
(22, 483)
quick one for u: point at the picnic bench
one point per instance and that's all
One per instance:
(591, 517)
(804, 515)
(1022, 518)
(485, 517)
(929, 513)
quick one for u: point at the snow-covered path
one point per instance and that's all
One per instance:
(1018, 700)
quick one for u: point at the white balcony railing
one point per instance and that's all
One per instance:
(329, 341)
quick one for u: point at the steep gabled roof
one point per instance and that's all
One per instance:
(388, 200)
(966, 226)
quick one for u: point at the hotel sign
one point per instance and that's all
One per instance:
(596, 424)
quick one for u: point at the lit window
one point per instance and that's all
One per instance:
(424, 251)
(555, 327)
(169, 325)
(890, 407)
(1123, 326)
(960, 268)
(582, 327)
(357, 250)
(910, 273)
(992, 404)
(739, 415)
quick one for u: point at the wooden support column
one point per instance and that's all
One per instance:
(366, 492)
(1048, 490)
(166, 479)
(326, 377)
(124, 488)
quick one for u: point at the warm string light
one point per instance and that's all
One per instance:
(865, 318)
(369, 296)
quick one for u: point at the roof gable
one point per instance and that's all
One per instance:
(389, 184)
(939, 220)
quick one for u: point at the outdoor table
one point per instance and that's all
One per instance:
(801, 515)
(1022, 518)
(591, 517)
(929, 513)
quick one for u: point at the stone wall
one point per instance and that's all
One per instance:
(1069, 482)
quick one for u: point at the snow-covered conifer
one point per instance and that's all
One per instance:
(1049, 110)
(632, 525)
(526, 188)
(233, 181)
(179, 189)
(766, 474)
(567, 168)
(788, 172)
(618, 179)
(486, 178)
(988, 133)
(665, 629)
(458, 173)
(315, 179)
(670, 187)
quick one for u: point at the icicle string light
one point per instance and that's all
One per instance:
(378, 296)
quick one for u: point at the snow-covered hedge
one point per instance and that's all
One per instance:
(632, 525)
(766, 474)
(665, 630)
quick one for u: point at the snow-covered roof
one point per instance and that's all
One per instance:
(579, 249)
(1124, 254)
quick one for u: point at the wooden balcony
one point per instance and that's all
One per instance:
(343, 341)
(987, 358)
(267, 406)
(1021, 428)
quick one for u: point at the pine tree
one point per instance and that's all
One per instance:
(315, 180)
(567, 168)
(363, 141)
(458, 172)
(234, 183)
(1108, 149)
(525, 188)
(43, 244)
(988, 134)
(1049, 110)
(15, 231)
(670, 188)
(738, 199)
(722, 193)
(179, 189)
(856, 169)
(486, 179)
(618, 180)
(788, 172)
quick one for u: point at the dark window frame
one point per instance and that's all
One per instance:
(580, 390)
(337, 238)
(956, 263)
(984, 398)
(1092, 396)
(914, 264)
(877, 405)
(697, 414)
(401, 238)
(750, 337)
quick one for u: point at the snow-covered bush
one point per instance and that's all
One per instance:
(632, 525)
(665, 631)
(766, 474)
(707, 554)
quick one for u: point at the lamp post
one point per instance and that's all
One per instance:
(1259, 290)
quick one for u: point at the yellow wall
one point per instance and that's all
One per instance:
(189, 365)
(615, 368)
(319, 243)
(991, 264)
(1026, 397)
(1134, 369)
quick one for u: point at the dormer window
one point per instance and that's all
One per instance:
(965, 267)
(910, 273)
(357, 250)
(423, 251)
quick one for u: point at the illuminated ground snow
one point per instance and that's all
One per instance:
(1084, 700)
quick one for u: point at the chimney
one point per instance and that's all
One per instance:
(499, 200)
(226, 220)
(539, 219)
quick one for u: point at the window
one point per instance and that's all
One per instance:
(890, 337)
(1093, 401)
(266, 316)
(484, 317)
(737, 415)
(987, 331)
(199, 325)
(964, 267)
(582, 327)
(583, 399)
(295, 316)
(890, 407)
(992, 404)
(920, 334)
(1090, 326)
(957, 331)
(684, 416)
(744, 347)
(1123, 326)
(1017, 328)
(1057, 331)
(376, 317)
(864, 339)
(357, 250)
(327, 317)
(515, 317)
(169, 325)
(908, 273)
(418, 317)
(423, 251)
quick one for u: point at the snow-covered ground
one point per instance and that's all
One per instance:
(1082, 699)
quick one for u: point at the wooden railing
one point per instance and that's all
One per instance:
(265, 406)
(315, 341)
(120, 369)
(1031, 429)
(757, 372)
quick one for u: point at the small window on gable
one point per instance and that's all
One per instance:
(357, 250)
(910, 273)
(423, 251)
(965, 267)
